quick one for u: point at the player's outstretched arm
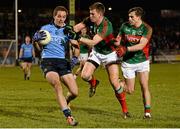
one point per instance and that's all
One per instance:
(70, 33)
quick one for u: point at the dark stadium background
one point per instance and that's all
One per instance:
(31, 8)
(83, 4)
(162, 15)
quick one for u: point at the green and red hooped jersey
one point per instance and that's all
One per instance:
(131, 36)
(105, 30)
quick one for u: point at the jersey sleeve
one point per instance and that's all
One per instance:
(22, 46)
(148, 31)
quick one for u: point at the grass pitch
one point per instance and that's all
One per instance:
(32, 104)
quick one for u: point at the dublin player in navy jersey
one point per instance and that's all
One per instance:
(55, 65)
(26, 56)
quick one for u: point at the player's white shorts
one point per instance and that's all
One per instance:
(83, 56)
(104, 59)
(129, 70)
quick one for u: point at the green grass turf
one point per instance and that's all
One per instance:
(32, 104)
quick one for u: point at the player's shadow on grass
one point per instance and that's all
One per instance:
(95, 111)
(27, 115)
(14, 110)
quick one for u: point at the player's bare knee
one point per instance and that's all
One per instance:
(55, 84)
(85, 77)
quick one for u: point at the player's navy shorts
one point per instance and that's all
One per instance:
(29, 59)
(60, 66)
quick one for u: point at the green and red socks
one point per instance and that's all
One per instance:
(93, 81)
(147, 109)
(120, 95)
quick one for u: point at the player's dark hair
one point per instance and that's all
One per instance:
(138, 11)
(59, 8)
(98, 6)
(27, 36)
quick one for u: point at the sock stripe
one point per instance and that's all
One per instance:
(120, 90)
(67, 112)
(147, 106)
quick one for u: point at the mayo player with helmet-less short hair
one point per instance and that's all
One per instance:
(102, 52)
(54, 63)
(134, 37)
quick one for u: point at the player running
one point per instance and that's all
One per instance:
(26, 57)
(55, 65)
(102, 52)
(134, 37)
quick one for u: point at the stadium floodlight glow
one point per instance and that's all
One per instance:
(110, 8)
(19, 10)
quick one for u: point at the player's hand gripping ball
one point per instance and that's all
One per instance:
(42, 36)
(46, 39)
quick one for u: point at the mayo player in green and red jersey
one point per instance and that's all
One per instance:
(134, 37)
(101, 53)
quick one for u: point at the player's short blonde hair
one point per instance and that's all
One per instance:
(98, 6)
